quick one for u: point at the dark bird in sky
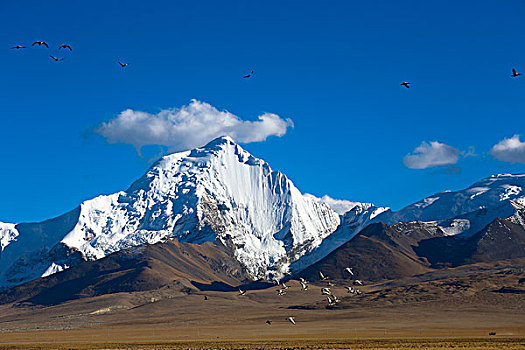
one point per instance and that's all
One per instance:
(40, 43)
(249, 75)
(56, 59)
(65, 46)
(406, 84)
(122, 64)
(515, 73)
(18, 47)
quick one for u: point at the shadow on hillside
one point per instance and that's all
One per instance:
(224, 287)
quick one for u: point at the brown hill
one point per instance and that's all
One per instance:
(383, 252)
(177, 266)
(377, 253)
(501, 239)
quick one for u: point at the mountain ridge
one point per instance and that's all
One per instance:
(222, 192)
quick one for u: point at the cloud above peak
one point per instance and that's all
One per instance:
(431, 154)
(510, 150)
(188, 127)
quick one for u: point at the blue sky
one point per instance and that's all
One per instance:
(333, 67)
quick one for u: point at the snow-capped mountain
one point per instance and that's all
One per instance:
(464, 212)
(219, 191)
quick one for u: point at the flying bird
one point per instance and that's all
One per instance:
(40, 43)
(515, 73)
(284, 286)
(350, 289)
(280, 292)
(330, 284)
(406, 84)
(349, 270)
(65, 46)
(303, 280)
(291, 319)
(268, 322)
(358, 282)
(326, 291)
(330, 301)
(18, 47)
(336, 299)
(123, 64)
(249, 75)
(304, 286)
(56, 59)
(242, 292)
(322, 277)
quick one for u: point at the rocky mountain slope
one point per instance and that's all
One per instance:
(385, 252)
(462, 213)
(172, 266)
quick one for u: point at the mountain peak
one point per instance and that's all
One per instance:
(216, 192)
(221, 140)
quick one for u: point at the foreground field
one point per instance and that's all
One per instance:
(371, 344)
(476, 307)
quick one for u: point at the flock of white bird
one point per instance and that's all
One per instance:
(331, 298)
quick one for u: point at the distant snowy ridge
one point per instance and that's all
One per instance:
(464, 212)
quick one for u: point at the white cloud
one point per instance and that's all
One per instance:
(430, 155)
(509, 150)
(340, 206)
(188, 127)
